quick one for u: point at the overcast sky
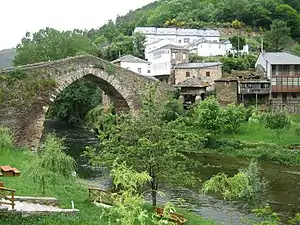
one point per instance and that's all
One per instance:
(19, 16)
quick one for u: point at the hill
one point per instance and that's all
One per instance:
(6, 57)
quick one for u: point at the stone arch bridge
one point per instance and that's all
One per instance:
(26, 92)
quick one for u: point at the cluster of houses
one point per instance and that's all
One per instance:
(275, 82)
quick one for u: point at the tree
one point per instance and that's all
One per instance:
(237, 42)
(296, 50)
(75, 101)
(51, 164)
(148, 143)
(208, 115)
(50, 44)
(233, 116)
(278, 36)
(278, 122)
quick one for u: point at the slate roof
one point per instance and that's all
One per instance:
(178, 31)
(130, 58)
(281, 58)
(193, 82)
(169, 46)
(197, 65)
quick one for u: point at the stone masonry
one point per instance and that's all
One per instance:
(26, 121)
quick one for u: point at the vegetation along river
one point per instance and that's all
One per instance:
(284, 181)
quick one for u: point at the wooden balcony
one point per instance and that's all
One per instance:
(245, 91)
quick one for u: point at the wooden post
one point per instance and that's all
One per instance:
(13, 200)
(256, 100)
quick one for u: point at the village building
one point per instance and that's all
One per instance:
(177, 35)
(206, 71)
(192, 90)
(283, 70)
(134, 64)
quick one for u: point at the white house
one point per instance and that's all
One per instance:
(177, 35)
(163, 58)
(134, 64)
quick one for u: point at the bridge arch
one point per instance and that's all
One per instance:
(125, 89)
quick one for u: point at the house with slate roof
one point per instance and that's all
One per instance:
(134, 64)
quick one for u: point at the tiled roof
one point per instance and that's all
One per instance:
(178, 31)
(193, 82)
(197, 65)
(281, 58)
(129, 58)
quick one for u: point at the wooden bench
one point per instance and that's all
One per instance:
(176, 217)
(102, 196)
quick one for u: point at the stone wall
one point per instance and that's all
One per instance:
(215, 73)
(226, 91)
(25, 101)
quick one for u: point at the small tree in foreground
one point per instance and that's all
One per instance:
(278, 122)
(208, 115)
(148, 143)
(51, 164)
(233, 116)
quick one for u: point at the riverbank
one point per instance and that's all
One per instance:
(254, 141)
(64, 191)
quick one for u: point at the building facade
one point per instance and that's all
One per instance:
(207, 72)
(177, 35)
(283, 70)
(134, 64)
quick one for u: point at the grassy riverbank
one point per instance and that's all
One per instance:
(65, 191)
(254, 141)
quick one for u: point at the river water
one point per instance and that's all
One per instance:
(284, 181)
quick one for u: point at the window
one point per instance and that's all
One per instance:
(173, 55)
(179, 41)
(207, 73)
(184, 56)
(186, 40)
(187, 74)
(139, 70)
(149, 71)
(294, 95)
(274, 95)
(284, 98)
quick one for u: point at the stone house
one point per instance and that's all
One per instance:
(192, 90)
(283, 70)
(206, 71)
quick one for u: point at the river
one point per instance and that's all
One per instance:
(284, 181)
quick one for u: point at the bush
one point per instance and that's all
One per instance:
(297, 130)
(278, 122)
(6, 140)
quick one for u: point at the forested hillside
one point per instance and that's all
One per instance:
(6, 57)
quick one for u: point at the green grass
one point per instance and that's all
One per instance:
(65, 191)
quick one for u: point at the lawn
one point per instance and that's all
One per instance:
(65, 191)
(258, 133)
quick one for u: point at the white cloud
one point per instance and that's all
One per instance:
(19, 16)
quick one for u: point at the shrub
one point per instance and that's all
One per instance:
(6, 140)
(297, 130)
(278, 122)
(233, 116)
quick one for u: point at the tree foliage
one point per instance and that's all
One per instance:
(51, 164)
(209, 115)
(233, 116)
(148, 143)
(75, 101)
(278, 122)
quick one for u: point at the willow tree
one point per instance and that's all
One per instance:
(149, 143)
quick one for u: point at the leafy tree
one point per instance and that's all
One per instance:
(147, 143)
(237, 42)
(296, 50)
(75, 101)
(278, 36)
(278, 122)
(172, 110)
(50, 44)
(51, 164)
(208, 115)
(233, 116)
